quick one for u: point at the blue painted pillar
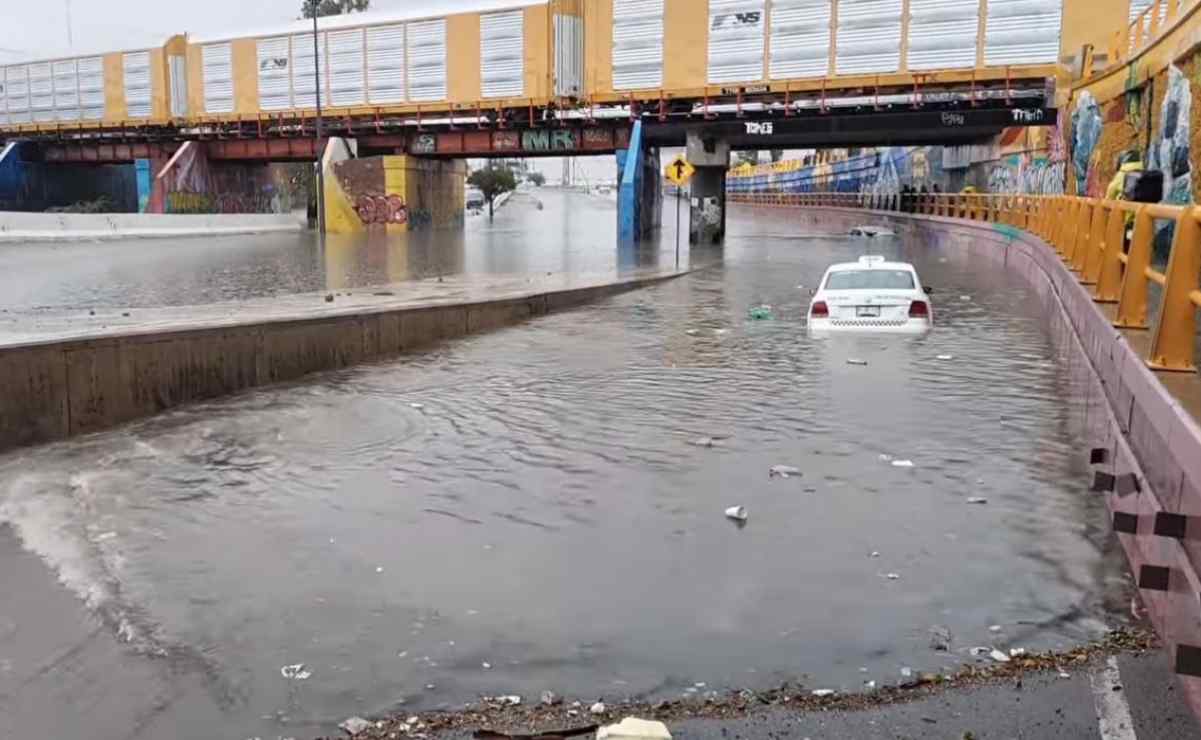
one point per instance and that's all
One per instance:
(629, 190)
(142, 168)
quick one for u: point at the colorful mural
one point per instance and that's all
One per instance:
(1086, 131)
(189, 182)
(394, 193)
(1170, 151)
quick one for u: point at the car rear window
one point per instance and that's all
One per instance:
(870, 280)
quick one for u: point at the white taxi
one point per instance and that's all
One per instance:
(871, 295)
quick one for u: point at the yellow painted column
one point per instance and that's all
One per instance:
(598, 47)
(685, 43)
(195, 81)
(160, 105)
(538, 64)
(463, 58)
(114, 87)
(244, 57)
(395, 179)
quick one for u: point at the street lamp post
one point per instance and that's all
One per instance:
(317, 147)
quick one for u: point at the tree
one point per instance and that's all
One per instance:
(536, 178)
(322, 8)
(492, 181)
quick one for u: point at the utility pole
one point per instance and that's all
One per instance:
(317, 147)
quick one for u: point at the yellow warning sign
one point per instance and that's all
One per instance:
(679, 172)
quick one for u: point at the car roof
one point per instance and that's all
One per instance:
(843, 266)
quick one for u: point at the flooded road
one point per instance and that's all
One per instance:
(573, 232)
(529, 510)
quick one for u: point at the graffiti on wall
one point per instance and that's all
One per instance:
(381, 209)
(187, 201)
(1086, 132)
(1027, 173)
(1170, 152)
(191, 184)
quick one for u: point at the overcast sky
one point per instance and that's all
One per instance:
(38, 30)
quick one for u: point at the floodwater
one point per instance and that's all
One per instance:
(43, 280)
(527, 510)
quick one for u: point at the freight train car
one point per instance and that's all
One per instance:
(698, 48)
(114, 90)
(487, 54)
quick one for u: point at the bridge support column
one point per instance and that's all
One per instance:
(707, 215)
(391, 193)
(640, 192)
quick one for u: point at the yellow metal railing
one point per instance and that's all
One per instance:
(1146, 27)
(1092, 238)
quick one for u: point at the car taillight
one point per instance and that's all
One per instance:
(820, 310)
(919, 310)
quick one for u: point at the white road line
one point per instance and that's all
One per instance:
(1113, 712)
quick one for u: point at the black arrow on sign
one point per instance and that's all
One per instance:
(679, 165)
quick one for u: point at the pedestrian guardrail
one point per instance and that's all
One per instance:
(1108, 244)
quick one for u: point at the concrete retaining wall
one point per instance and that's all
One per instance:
(40, 227)
(1126, 411)
(58, 389)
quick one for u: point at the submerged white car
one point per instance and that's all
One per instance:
(871, 295)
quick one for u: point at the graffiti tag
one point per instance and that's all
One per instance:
(760, 129)
(737, 19)
(381, 209)
(542, 140)
(953, 119)
(424, 144)
(1021, 115)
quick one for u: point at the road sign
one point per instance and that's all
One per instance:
(679, 172)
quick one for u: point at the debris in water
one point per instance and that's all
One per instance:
(632, 728)
(703, 442)
(940, 638)
(597, 708)
(1063, 674)
(824, 692)
(965, 298)
(869, 685)
(379, 569)
(761, 313)
(977, 500)
(893, 576)
(946, 357)
(980, 652)
(995, 628)
(417, 406)
(486, 665)
(856, 361)
(902, 463)
(1017, 652)
(551, 699)
(874, 554)
(906, 673)
(783, 471)
(296, 672)
(999, 656)
(692, 332)
(355, 726)
(737, 513)
(329, 298)
(885, 457)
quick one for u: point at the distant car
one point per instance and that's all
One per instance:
(475, 199)
(871, 295)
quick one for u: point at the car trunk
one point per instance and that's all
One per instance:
(870, 305)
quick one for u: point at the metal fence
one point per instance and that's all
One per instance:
(1108, 244)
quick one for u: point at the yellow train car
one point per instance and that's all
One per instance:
(124, 89)
(696, 48)
(480, 54)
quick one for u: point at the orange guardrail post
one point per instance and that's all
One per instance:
(1090, 262)
(1132, 305)
(1109, 274)
(1176, 329)
(1079, 248)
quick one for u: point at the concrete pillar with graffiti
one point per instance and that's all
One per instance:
(711, 158)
